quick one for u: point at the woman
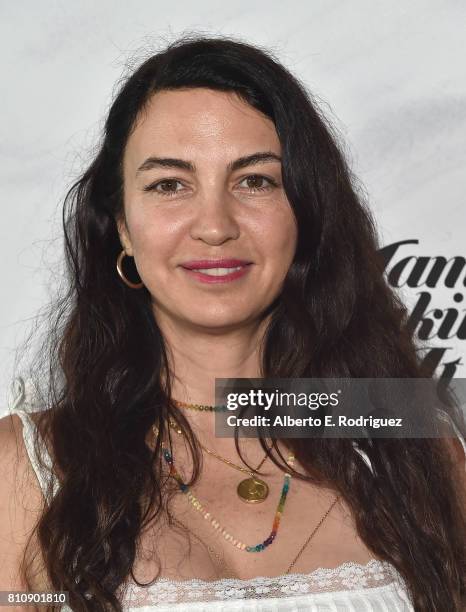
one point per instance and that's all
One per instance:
(218, 234)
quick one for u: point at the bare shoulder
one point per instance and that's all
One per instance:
(13, 455)
(14, 459)
(21, 502)
(18, 480)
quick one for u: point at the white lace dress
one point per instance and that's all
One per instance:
(350, 587)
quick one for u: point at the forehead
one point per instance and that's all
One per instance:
(199, 122)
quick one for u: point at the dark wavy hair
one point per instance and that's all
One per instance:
(107, 375)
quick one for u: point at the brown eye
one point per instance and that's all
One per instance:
(255, 182)
(168, 187)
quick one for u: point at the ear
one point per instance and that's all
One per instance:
(124, 235)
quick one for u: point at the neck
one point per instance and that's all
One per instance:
(198, 356)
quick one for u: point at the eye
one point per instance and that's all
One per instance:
(168, 187)
(254, 182)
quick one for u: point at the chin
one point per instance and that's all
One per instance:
(218, 321)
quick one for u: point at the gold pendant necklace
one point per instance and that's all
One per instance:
(252, 490)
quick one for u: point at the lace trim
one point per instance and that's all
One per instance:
(346, 577)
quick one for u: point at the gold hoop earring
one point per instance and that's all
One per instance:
(122, 276)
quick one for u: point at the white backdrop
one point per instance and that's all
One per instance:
(391, 77)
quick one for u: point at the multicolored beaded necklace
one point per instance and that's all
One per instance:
(213, 521)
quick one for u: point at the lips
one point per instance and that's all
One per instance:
(217, 271)
(205, 264)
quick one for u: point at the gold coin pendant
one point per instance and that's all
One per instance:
(253, 490)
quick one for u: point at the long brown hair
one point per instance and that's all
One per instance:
(335, 317)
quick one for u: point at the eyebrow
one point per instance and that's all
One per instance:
(241, 162)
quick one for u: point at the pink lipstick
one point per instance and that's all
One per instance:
(217, 270)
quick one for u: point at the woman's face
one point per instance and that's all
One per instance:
(191, 194)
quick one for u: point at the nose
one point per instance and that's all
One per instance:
(215, 221)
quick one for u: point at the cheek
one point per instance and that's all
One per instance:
(278, 237)
(154, 234)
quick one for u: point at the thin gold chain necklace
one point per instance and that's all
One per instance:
(252, 490)
(312, 534)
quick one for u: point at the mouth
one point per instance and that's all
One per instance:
(213, 272)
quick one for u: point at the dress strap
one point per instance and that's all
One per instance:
(18, 407)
